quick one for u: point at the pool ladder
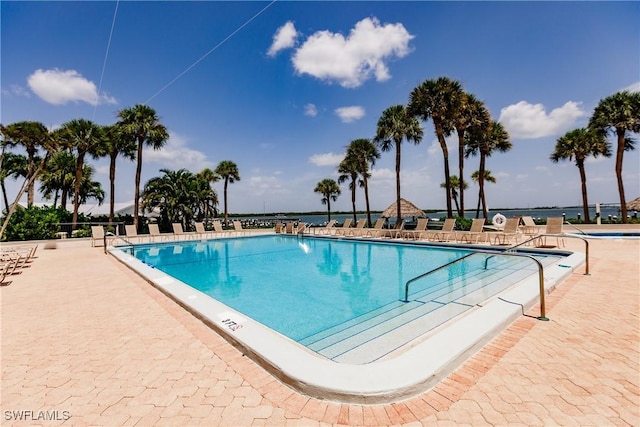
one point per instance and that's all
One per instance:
(104, 238)
(505, 252)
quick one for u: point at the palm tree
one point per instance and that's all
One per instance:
(228, 171)
(486, 177)
(85, 137)
(365, 153)
(579, 144)
(89, 189)
(348, 170)
(394, 125)
(455, 185)
(141, 124)
(13, 166)
(472, 112)
(439, 100)
(32, 136)
(58, 177)
(619, 113)
(210, 177)
(485, 140)
(116, 144)
(330, 190)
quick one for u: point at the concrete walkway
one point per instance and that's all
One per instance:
(85, 341)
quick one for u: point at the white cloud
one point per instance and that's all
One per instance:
(310, 110)
(284, 38)
(326, 159)
(176, 155)
(350, 114)
(633, 87)
(353, 60)
(529, 121)
(16, 90)
(59, 87)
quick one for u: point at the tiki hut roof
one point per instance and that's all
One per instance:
(634, 205)
(407, 209)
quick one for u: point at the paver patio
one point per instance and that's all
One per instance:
(86, 341)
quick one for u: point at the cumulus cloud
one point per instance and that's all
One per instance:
(58, 87)
(16, 90)
(530, 121)
(175, 152)
(634, 87)
(326, 159)
(284, 38)
(310, 110)
(350, 114)
(354, 59)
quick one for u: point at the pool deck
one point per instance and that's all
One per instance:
(85, 338)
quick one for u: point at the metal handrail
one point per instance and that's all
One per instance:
(479, 251)
(586, 244)
(115, 236)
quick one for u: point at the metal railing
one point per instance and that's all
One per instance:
(115, 237)
(564, 236)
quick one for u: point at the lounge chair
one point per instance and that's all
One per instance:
(288, 228)
(554, 227)
(278, 228)
(343, 230)
(201, 231)
(510, 234)
(417, 232)
(302, 227)
(326, 230)
(237, 227)
(178, 232)
(217, 228)
(445, 233)
(97, 235)
(132, 233)
(529, 228)
(358, 229)
(395, 232)
(154, 231)
(475, 234)
(376, 230)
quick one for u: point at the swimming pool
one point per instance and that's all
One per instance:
(608, 235)
(342, 300)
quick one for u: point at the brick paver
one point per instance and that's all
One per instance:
(85, 341)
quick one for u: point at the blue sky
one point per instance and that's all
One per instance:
(281, 88)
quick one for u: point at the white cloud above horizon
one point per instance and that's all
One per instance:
(326, 159)
(284, 38)
(16, 90)
(633, 87)
(176, 152)
(350, 114)
(59, 87)
(310, 110)
(530, 121)
(355, 59)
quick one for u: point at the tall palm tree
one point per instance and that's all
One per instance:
(89, 189)
(13, 166)
(580, 144)
(33, 136)
(365, 153)
(116, 144)
(394, 125)
(348, 170)
(619, 114)
(471, 112)
(58, 178)
(330, 190)
(141, 124)
(486, 177)
(484, 140)
(439, 100)
(84, 137)
(455, 185)
(228, 171)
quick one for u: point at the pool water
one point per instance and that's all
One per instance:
(301, 287)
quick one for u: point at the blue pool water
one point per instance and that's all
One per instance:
(302, 287)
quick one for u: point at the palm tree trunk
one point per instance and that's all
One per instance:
(619, 154)
(399, 214)
(583, 181)
(353, 201)
(112, 187)
(226, 212)
(136, 194)
(31, 174)
(461, 172)
(76, 190)
(481, 185)
(447, 177)
(328, 208)
(4, 195)
(366, 199)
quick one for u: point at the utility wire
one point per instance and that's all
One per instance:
(210, 51)
(104, 63)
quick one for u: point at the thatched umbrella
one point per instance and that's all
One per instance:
(634, 205)
(407, 209)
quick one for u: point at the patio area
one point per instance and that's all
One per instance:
(85, 341)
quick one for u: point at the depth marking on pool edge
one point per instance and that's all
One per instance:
(232, 321)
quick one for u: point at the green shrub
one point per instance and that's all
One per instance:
(35, 223)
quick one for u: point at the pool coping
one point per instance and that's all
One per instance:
(409, 373)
